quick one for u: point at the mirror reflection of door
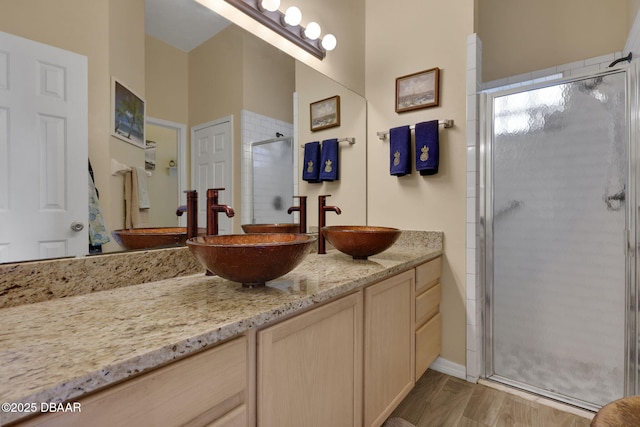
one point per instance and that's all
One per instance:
(161, 159)
(211, 154)
(43, 151)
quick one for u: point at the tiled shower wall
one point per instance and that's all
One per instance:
(256, 127)
(475, 291)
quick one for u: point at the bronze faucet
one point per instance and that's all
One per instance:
(212, 210)
(302, 208)
(322, 219)
(191, 208)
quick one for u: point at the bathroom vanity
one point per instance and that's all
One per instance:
(200, 350)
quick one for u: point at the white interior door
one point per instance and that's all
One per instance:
(43, 151)
(211, 165)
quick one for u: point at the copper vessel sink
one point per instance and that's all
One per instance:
(251, 259)
(270, 228)
(152, 237)
(361, 241)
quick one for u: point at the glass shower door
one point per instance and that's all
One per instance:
(272, 185)
(557, 172)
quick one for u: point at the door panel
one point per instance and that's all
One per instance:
(43, 150)
(212, 168)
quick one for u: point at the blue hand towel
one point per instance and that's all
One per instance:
(330, 160)
(311, 164)
(427, 147)
(400, 146)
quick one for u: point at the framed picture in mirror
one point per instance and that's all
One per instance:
(325, 113)
(128, 114)
(418, 90)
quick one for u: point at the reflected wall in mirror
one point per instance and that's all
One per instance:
(235, 76)
(349, 193)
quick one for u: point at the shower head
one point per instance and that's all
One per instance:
(626, 58)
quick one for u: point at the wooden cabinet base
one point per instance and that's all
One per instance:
(193, 392)
(310, 368)
(389, 346)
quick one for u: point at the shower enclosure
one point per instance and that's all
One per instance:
(272, 181)
(558, 178)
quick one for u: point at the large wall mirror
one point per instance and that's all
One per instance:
(174, 121)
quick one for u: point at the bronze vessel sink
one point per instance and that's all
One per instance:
(152, 237)
(270, 228)
(361, 241)
(251, 259)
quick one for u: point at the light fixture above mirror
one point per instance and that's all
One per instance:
(287, 25)
(270, 5)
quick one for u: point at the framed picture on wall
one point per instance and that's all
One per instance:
(418, 90)
(325, 113)
(128, 114)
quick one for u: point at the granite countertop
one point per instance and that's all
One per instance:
(61, 349)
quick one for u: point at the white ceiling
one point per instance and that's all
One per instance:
(184, 24)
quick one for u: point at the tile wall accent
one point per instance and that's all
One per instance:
(475, 297)
(474, 287)
(257, 127)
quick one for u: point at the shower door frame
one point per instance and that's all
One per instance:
(629, 238)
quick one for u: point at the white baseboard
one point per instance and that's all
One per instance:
(447, 367)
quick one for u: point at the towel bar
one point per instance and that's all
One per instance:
(448, 123)
(351, 140)
(117, 167)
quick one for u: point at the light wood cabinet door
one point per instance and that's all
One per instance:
(389, 345)
(310, 368)
(194, 391)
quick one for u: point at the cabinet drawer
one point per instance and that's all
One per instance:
(235, 418)
(428, 339)
(193, 391)
(428, 274)
(427, 304)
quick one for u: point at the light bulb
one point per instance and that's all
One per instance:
(312, 31)
(293, 16)
(270, 5)
(329, 42)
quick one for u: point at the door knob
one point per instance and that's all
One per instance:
(77, 226)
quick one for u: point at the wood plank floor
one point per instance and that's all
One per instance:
(442, 400)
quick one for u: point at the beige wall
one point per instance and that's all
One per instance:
(166, 81)
(344, 19)
(350, 192)
(417, 202)
(269, 79)
(520, 36)
(127, 64)
(222, 82)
